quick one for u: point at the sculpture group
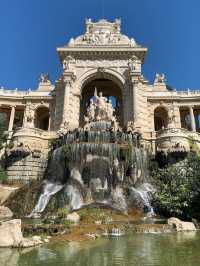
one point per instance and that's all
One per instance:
(100, 109)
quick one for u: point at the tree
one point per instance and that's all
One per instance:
(178, 189)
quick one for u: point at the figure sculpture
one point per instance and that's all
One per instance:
(171, 118)
(100, 109)
(160, 78)
(44, 78)
(68, 63)
(29, 115)
(134, 64)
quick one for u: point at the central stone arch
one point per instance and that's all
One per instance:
(111, 84)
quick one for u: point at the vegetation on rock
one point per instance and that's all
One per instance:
(24, 199)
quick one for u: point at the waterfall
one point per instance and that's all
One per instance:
(50, 189)
(142, 195)
(97, 166)
(74, 197)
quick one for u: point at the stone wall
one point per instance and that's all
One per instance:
(28, 168)
(27, 156)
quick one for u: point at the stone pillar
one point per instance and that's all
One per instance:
(134, 82)
(193, 124)
(12, 117)
(68, 80)
(134, 65)
(177, 116)
(49, 124)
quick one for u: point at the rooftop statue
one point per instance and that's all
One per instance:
(160, 79)
(44, 78)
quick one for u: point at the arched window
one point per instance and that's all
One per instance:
(110, 90)
(185, 118)
(42, 118)
(160, 118)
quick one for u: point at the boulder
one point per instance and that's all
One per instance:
(5, 192)
(11, 235)
(73, 217)
(5, 212)
(180, 225)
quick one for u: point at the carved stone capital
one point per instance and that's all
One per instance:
(12, 106)
(134, 78)
(69, 78)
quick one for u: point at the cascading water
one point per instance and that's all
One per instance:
(97, 165)
(50, 189)
(142, 195)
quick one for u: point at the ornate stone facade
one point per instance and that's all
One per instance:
(105, 59)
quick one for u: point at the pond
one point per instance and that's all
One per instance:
(177, 249)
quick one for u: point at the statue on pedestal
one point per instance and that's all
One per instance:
(44, 78)
(171, 118)
(100, 109)
(160, 79)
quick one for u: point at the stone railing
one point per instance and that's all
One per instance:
(171, 131)
(19, 93)
(34, 132)
(178, 131)
(15, 92)
(173, 140)
(188, 92)
(175, 93)
(33, 138)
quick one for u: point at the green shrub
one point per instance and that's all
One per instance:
(62, 212)
(3, 175)
(67, 223)
(178, 189)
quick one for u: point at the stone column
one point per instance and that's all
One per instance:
(134, 65)
(66, 100)
(134, 82)
(12, 117)
(193, 124)
(177, 116)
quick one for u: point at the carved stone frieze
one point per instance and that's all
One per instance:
(102, 63)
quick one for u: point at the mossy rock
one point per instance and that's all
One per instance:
(24, 199)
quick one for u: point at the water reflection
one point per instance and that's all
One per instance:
(178, 249)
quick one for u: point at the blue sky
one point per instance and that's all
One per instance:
(32, 29)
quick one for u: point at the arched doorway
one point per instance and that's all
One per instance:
(42, 118)
(185, 118)
(160, 118)
(110, 89)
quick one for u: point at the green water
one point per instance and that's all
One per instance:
(178, 249)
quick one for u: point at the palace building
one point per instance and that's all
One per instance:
(105, 61)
